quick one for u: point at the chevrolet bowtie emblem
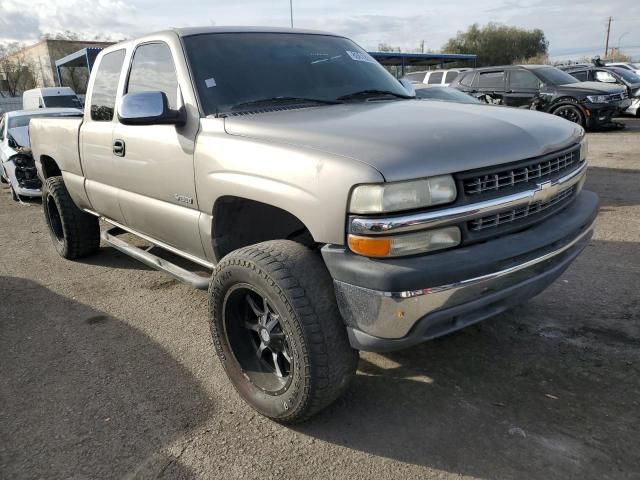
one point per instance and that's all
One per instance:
(545, 192)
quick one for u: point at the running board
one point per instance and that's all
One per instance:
(153, 261)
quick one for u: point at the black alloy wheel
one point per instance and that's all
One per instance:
(257, 339)
(571, 113)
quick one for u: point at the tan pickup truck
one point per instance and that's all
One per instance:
(337, 212)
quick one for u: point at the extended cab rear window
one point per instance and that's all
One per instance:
(105, 87)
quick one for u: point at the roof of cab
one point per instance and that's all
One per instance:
(189, 31)
(192, 31)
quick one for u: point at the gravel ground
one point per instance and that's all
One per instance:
(107, 371)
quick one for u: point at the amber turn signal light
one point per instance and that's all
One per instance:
(370, 246)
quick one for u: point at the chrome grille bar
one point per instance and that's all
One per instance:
(501, 218)
(449, 216)
(512, 177)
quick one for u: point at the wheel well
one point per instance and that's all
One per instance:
(563, 101)
(49, 167)
(238, 222)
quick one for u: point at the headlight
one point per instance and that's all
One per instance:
(407, 244)
(598, 98)
(393, 197)
(584, 149)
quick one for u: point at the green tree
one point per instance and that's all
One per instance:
(497, 44)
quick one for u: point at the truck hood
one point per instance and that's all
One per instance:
(407, 139)
(592, 87)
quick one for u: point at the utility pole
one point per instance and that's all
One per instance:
(291, 12)
(606, 45)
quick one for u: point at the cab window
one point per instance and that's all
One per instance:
(467, 79)
(435, 78)
(103, 96)
(523, 80)
(493, 80)
(152, 70)
(450, 77)
(582, 75)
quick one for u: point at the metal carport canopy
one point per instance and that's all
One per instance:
(82, 58)
(421, 59)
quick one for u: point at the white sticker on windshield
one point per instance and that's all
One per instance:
(210, 82)
(360, 57)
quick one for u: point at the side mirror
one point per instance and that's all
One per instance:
(148, 108)
(408, 86)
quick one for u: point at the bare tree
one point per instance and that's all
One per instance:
(16, 73)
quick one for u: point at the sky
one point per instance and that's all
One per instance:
(573, 28)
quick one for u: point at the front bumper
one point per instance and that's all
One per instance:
(634, 108)
(602, 113)
(396, 303)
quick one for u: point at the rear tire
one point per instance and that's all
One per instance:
(303, 362)
(75, 233)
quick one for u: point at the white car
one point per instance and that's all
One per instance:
(435, 77)
(634, 67)
(50, 97)
(17, 167)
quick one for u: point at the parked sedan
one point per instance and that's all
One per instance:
(613, 75)
(634, 67)
(17, 167)
(444, 94)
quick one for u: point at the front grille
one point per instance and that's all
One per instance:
(509, 216)
(521, 174)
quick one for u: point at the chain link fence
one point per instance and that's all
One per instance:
(9, 104)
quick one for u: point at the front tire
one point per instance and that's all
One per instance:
(277, 330)
(570, 111)
(75, 233)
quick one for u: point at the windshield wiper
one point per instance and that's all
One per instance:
(371, 93)
(293, 100)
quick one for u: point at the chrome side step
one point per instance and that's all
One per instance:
(153, 261)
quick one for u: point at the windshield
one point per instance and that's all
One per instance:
(447, 94)
(554, 76)
(62, 101)
(628, 75)
(23, 120)
(231, 69)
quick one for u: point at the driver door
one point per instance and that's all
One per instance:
(155, 162)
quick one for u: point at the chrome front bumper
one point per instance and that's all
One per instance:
(392, 315)
(444, 292)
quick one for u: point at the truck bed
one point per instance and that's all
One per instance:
(57, 138)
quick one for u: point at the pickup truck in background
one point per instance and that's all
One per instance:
(336, 212)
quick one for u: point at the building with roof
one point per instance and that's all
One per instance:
(41, 60)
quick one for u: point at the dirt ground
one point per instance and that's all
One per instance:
(107, 371)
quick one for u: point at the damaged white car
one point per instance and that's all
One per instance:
(17, 167)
